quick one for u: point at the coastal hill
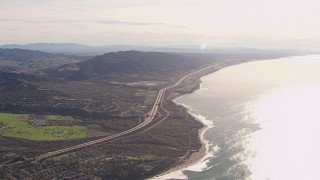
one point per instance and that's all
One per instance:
(130, 66)
(64, 48)
(25, 55)
(33, 61)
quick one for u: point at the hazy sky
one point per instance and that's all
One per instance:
(232, 23)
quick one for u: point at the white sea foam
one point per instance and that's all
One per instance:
(201, 165)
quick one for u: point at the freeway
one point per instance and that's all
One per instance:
(135, 130)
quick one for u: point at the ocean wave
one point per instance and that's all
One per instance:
(201, 165)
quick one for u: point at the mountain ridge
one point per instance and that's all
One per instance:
(135, 65)
(80, 49)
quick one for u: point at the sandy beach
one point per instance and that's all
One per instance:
(192, 157)
(189, 160)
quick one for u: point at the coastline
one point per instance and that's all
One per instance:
(201, 154)
(195, 156)
(186, 163)
(192, 158)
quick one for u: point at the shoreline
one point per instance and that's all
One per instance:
(196, 156)
(201, 154)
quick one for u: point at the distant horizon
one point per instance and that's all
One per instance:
(256, 24)
(201, 47)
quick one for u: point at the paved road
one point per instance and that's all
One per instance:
(150, 117)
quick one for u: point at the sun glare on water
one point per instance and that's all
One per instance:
(291, 104)
(287, 146)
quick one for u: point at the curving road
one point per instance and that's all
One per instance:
(150, 116)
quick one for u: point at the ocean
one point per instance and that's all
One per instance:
(263, 121)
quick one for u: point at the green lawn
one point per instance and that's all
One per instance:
(15, 127)
(57, 117)
(57, 158)
(148, 157)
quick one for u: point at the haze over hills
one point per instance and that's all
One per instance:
(138, 66)
(27, 55)
(31, 61)
(124, 65)
(67, 48)
(79, 49)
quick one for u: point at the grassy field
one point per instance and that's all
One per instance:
(148, 157)
(150, 96)
(94, 126)
(57, 158)
(57, 117)
(16, 125)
